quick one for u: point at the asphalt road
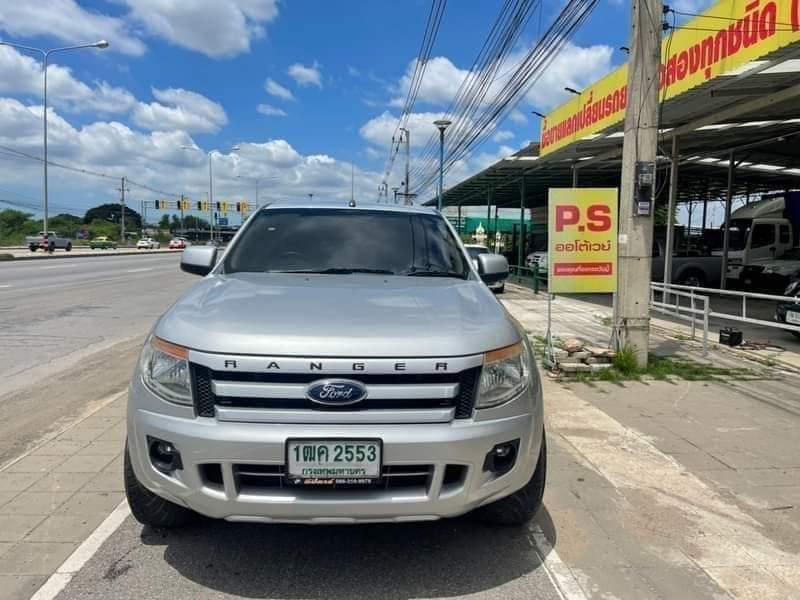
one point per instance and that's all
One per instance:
(70, 330)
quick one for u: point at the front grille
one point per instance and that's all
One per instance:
(205, 400)
(254, 477)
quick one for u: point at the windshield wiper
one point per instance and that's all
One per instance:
(435, 273)
(338, 271)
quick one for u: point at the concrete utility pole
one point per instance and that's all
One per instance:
(637, 194)
(122, 191)
(407, 138)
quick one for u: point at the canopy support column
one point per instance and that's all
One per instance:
(673, 195)
(726, 239)
(521, 250)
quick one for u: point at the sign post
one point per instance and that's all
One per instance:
(582, 245)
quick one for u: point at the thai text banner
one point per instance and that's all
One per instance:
(582, 234)
(727, 36)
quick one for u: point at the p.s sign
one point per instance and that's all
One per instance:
(582, 232)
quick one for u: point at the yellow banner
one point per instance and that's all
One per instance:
(582, 236)
(727, 36)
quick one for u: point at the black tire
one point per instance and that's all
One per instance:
(150, 509)
(52, 247)
(501, 289)
(69, 247)
(32, 248)
(693, 278)
(521, 506)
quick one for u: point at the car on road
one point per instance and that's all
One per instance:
(148, 244)
(496, 283)
(336, 364)
(177, 244)
(49, 242)
(103, 243)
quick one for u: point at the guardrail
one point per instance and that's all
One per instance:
(532, 277)
(678, 310)
(744, 296)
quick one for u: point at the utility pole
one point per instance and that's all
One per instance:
(407, 138)
(183, 225)
(122, 191)
(632, 318)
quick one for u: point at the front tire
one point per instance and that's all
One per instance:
(69, 247)
(148, 508)
(521, 506)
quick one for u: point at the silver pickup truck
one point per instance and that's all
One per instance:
(337, 364)
(48, 243)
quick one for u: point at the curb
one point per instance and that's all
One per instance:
(34, 256)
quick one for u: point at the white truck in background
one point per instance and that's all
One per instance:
(48, 242)
(766, 229)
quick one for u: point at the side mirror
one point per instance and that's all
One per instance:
(199, 260)
(492, 267)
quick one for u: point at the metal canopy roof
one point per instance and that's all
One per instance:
(753, 112)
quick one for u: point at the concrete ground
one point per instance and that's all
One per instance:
(656, 490)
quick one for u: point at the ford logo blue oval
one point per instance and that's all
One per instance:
(336, 392)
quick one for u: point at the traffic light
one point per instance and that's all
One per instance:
(158, 204)
(224, 208)
(245, 208)
(205, 206)
(218, 206)
(199, 205)
(238, 207)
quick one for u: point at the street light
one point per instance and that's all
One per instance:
(210, 184)
(102, 44)
(257, 181)
(572, 91)
(441, 125)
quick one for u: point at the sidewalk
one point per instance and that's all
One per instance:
(670, 489)
(53, 497)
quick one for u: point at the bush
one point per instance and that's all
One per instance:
(625, 361)
(6, 257)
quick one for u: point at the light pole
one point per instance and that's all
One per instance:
(102, 44)
(257, 181)
(210, 184)
(441, 125)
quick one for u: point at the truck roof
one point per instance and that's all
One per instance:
(343, 205)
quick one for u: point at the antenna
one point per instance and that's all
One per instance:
(352, 186)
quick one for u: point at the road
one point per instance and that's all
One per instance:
(73, 319)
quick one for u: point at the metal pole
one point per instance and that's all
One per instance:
(183, 224)
(210, 197)
(673, 195)
(441, 168)
(459, 227)
(521, 249)
(488, 213)
(705, 212)
(574, 176)
(122, 213)
(726, 236)
(408, 166)
(44, 220)
(639, 154)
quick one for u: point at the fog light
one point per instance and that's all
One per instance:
(502, 457)
(164, 456)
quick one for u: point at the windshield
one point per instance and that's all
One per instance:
(323, 240)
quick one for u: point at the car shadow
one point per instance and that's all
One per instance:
(394, 562)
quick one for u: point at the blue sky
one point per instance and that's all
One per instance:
(303, 88)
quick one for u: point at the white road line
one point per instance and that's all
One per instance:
(142, 270)
(559, 574)
(75, 562)
(64, 266)
(7, 285)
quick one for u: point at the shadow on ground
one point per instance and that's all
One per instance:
(394, 562)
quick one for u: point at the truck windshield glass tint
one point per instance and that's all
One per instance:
(320, 241)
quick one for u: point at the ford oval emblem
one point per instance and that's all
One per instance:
(336, 392)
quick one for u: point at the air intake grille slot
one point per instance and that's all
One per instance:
(465, 402)
(203, 396)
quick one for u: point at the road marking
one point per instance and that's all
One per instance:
(142, 270)
(75, 562)
(559, 574)
(7, 285)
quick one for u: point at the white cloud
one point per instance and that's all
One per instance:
(576, 67)
(273, 88)
(156, 159)
(439, 86)
(180, 109)
(270, 111)
(66, 20)
(305, 76)
(221, 28)
(518, 117)
(379, 130)
(503, 135)
(353, 72)
(22, 75)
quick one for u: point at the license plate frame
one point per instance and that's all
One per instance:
(792, 317)
(297, 480)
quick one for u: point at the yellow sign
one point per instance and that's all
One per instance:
(582, 236)
(727, 36)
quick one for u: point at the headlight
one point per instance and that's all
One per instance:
(165, 370)
(505, 374)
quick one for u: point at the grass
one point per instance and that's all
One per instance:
(6, 257)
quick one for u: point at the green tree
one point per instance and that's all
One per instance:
(164, 222)
(111, 213)
(100, 227)
(15, 225)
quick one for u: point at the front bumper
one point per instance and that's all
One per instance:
(205, 440)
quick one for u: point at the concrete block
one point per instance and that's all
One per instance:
(598, 367)
(573, 367)
(578, 356)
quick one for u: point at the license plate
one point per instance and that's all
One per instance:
(793, 317)
(333, 462)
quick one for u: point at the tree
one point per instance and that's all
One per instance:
(175, 225)
(192, 222)
(111, 213)
(15, 225)
(164, 222)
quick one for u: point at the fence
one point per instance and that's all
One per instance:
(533, 277)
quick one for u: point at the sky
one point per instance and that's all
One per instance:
(306, 89)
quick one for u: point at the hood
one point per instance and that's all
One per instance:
(338, 315)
